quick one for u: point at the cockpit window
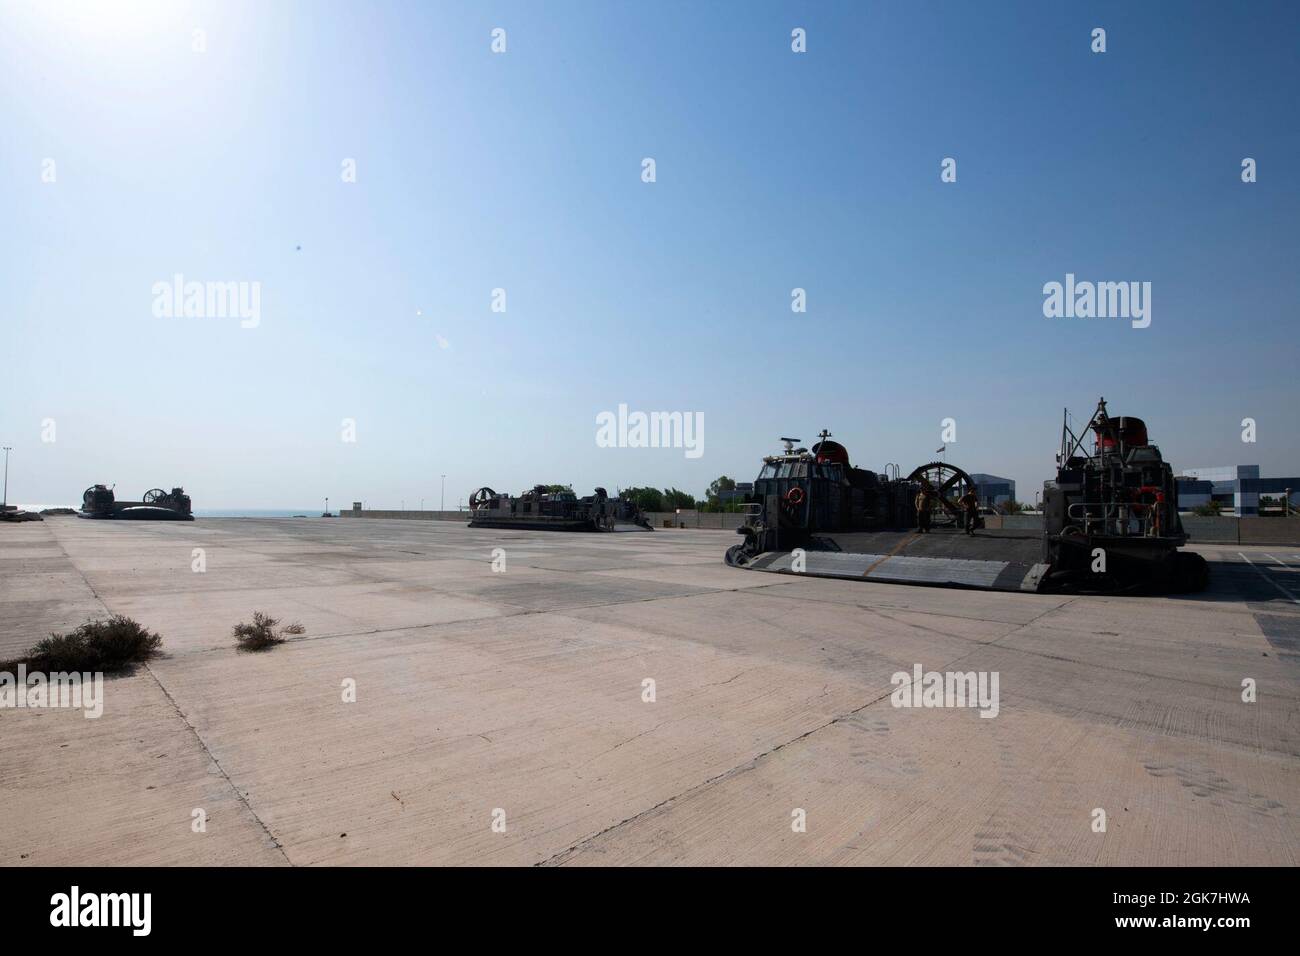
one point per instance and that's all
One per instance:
(769, 471)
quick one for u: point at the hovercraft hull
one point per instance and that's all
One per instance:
(138, 513)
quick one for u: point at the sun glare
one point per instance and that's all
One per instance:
(111, 20)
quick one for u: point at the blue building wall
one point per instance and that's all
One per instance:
(1235, 487)
(993, 490)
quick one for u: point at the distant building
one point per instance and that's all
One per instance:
(1236, 488)
(993, 490)
(742, 488)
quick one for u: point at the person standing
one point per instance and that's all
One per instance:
(924, 502)
(970, 504)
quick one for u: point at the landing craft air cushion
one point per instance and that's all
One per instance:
(1110, 521)
(98, 501)
(548, 510)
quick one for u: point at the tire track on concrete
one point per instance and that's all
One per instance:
(561, 857)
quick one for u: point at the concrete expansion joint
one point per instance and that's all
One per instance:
(558, 859)
(217, 763)
(181, 714)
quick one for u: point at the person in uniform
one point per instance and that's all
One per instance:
(924, 500)
(970, 504)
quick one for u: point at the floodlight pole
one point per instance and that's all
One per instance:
(8, 449)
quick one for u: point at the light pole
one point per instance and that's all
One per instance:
(327, 507)
(421, 504)
(442, 500)
(5, 504)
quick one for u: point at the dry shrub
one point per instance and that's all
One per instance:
(265, 632)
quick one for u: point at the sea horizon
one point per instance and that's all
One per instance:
(205, 512)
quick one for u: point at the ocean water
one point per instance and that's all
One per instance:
(258, 512)
(212, 512)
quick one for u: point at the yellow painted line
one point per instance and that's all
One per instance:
(898, 547)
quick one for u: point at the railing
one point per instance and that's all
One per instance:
(1117, 517)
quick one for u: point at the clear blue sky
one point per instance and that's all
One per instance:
(523, 171)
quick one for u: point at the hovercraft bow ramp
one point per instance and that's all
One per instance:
(994, 561)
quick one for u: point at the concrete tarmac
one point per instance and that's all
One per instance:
(504, 716)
